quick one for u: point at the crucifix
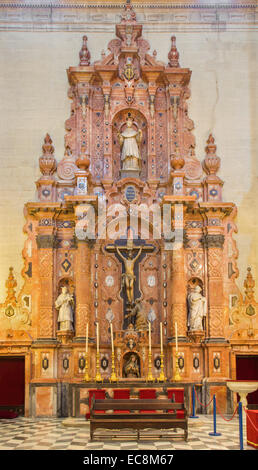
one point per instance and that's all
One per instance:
(128, 276)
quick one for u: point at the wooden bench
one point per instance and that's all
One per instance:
(163, 418)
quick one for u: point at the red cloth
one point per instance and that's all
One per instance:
(5, 414)
(251, 432)
(147, 393)
(122, 394)
(99, 395)
(178, 395)
(247, 369)
(12, 381)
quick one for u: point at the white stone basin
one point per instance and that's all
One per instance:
(242, 387)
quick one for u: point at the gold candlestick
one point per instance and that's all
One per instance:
(177, 376)
(150, 377)
(87, 377)
(113, 377)
(98, 377)
(162, 377)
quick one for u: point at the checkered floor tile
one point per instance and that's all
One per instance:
(73, 434)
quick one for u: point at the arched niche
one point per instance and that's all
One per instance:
(68, 282)
(193, 282)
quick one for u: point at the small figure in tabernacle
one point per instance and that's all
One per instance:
(131, 368)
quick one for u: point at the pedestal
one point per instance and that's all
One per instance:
(130, 173)
(65, 335)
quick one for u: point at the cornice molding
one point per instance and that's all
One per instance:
(160, 6)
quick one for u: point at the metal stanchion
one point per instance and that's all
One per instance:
(193, 404)
(214, 433)
(240, 416)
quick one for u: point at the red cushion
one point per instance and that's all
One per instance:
(179, 413)
(178, 395)
(6, 414)
(122, 394)
(147, 393)
(99, 395)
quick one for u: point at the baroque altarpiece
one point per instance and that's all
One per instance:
(129, 142)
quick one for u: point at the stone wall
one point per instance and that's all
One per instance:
(34, 56)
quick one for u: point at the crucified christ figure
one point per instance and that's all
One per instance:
(128, 276)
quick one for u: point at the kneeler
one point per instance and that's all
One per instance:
(147, 393)
(99, 394)
(122, 394)
(177, 394)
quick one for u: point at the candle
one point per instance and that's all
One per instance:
(176, 336)
(161, 338)
(97, 337)
(149, 335)
(87, 337)
(112, 341)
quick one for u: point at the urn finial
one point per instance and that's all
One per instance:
(211, 163)
(173, 55)
(47, 162)
(84, 52)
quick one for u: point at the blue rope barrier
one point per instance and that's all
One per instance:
(214, 433)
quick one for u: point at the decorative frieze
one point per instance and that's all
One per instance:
(213, 240)
(46, 241)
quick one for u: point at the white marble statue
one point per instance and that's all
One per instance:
(129, 141)
(65, 303)
(197, 309)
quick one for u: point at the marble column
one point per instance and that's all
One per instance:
(178, 293)
(46, 318)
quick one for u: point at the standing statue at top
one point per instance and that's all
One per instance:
(129, 141)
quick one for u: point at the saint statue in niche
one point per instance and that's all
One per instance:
(65, 304)
(130, 140)
(131, 367)
(197, 309)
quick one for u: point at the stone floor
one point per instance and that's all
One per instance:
(73, 434)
